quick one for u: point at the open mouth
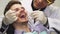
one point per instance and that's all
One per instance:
(22, 16)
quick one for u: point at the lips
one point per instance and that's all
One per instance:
(22, 15)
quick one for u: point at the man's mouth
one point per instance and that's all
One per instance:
(22, 16)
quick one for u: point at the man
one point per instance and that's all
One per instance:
(16, 19)
(46, 7)
(49, 11)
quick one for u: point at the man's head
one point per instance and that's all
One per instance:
(15, 9)
(10, 4)
(39, 4)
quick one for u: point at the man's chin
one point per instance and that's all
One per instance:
(22, 21)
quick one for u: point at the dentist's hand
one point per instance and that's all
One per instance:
(10, 17)
(39, 16)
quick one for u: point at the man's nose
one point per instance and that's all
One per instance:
(21, 10)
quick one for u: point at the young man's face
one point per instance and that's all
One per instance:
(20, 13)
(38, 4)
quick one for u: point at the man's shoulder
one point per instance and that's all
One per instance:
(54, 7)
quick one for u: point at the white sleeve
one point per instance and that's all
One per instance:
(55, 13)
(55, 23)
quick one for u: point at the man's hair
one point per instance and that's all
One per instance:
(10, 4)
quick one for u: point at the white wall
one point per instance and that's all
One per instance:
(57, 3)
(2, 5)
(4, 2)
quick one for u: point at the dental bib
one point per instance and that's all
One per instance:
(44, 32)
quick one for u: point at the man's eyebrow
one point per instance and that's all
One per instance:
(22, 7)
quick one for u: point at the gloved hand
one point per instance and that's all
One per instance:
(39, 16)
(10, 17)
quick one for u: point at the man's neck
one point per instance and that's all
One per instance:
(23, 27)
(20, 25)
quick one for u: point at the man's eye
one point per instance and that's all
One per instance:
(16, 9)
(22, 8)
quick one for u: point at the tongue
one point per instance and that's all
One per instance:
(22, 16)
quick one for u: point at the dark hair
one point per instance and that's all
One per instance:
(10, 4)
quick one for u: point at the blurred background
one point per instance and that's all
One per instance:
(3, 3)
